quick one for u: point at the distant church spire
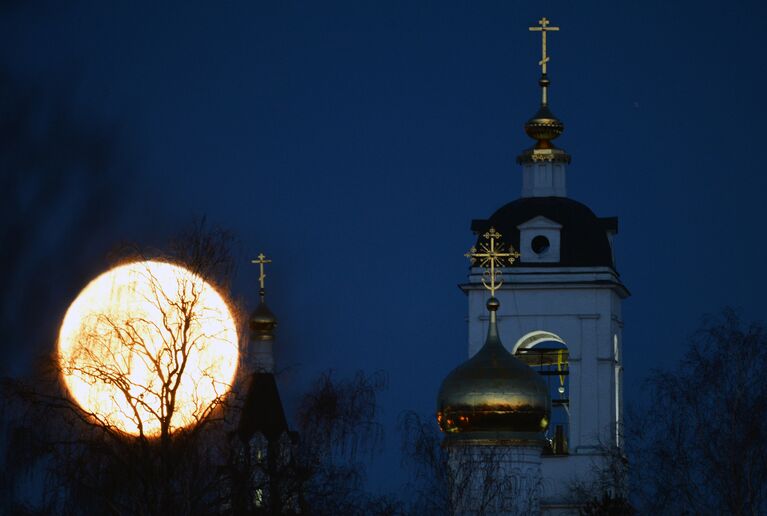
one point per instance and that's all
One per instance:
(543, 165)
(258, 482)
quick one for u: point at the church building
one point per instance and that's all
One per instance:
(261, 471)
(545, 406)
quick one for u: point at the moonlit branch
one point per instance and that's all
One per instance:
(148, 347)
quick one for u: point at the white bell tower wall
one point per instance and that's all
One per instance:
(582, 307)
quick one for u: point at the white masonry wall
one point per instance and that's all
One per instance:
(544, 179)
(260, 357)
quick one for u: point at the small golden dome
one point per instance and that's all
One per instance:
(544, 127)
(494, 395)
(262, 322)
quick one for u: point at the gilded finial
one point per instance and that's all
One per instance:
(492, 255)
(543, 28)
(261, 261)
(544, 127)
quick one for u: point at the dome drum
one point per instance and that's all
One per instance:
(495, 438)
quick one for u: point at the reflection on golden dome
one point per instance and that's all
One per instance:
(494, 395)
(262, 321)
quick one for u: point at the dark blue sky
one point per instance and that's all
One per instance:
(353, 142)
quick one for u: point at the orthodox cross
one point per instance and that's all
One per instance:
(490, 256)
(261, 262)
(543, 29)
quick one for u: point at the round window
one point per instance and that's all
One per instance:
(540, 244)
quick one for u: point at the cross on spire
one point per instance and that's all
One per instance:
(490, 256)
(543, 28)
(261, 261)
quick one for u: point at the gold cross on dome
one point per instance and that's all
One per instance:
(543, 29)
(261, 262)
(490, 256)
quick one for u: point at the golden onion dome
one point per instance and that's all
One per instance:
(494, 395)
(544, 127)
(262, 321)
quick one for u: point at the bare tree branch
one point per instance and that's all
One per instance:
(697, 446)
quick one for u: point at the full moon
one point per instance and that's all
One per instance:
(146, 346)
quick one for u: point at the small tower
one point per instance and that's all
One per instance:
(494, 409)
(560, 307)
(543, 164)
(264, 441)
(262, 411)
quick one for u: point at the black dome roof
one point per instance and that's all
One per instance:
(583, 237)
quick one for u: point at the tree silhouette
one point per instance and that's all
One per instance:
(605, 491)
(164, 341)
(698, 447)
(58, 174)
(315, 470)
(337, 422)
(454, 479)
(85, 462)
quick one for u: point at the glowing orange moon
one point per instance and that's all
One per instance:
(139, 333)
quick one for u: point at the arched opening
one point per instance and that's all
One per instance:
(548, 355)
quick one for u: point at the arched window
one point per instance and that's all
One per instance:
(547, 354)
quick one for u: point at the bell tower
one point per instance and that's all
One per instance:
(560, 306)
